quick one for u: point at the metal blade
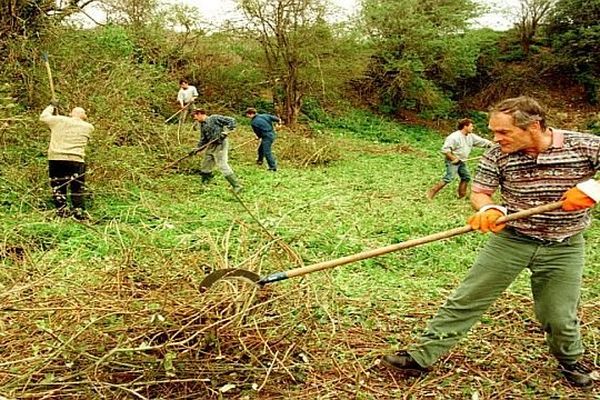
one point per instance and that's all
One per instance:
(225, 273)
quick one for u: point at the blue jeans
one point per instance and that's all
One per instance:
(453, 169)
(264, 151)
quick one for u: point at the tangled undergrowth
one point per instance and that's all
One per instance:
(111, 308)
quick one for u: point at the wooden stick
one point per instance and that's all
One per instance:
(49, 71)
(193, 152)
(177, 113)
(399, 246)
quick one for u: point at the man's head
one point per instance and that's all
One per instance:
(518, 124)
(465, 125)
(78, 113)
(200, 115)
(183, 83)
(250, 112)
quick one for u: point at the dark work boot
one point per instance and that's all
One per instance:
(402, 361)
(462, 189)
(63, 212)
(80, 214)
(436, 188)
(237, 188)
(206, 177)
(577, 374)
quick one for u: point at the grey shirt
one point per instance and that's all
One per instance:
(461, 145)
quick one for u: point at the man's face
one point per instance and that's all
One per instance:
(200, 117)
(250, 115)
(511, 138)
(184, 85)
(469, 128)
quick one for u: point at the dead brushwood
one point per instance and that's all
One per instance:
(305, 150)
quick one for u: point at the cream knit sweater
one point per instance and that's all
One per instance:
(68, 137)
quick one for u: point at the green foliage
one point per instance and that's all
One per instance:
(574, 32)
(421, 49)
(303, 54)
(113, 41)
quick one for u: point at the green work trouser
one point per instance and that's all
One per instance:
(556, 271)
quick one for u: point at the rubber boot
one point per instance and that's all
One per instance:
(436, 188)
(206, 177)
(237, 188)
(462, 189)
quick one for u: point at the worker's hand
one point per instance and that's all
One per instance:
(580, 197)
(54, 102)
(456, 161)
(485, 219)
(193, 151)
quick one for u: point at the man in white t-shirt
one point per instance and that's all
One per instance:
(456, 149)
(185, 97)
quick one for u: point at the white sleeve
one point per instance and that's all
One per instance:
(481, 142)
(449, 144)
(591, 188)
(46, 115)
(180, 95)
(195, 92)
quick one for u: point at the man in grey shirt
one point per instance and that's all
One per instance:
(456, 149)
(213, 135)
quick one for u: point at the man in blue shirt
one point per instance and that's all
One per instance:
(262, 125)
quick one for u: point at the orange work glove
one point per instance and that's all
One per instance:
(574, 199)
(485, 220)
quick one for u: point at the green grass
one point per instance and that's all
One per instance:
(161, 226)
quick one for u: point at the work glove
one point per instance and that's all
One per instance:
(485, 219)
(54, 102)
(584, 195)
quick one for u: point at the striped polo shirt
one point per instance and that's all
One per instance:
(527, 182)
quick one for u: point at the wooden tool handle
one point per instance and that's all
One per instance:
(414, 242)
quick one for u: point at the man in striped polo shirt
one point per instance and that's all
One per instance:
(531, 165)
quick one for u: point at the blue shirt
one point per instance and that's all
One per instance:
(262, 125)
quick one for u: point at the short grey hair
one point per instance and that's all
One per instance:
(524, 110)
(78, 112)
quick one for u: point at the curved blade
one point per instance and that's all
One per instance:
(211, 278)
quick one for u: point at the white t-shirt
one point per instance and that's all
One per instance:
(461, 145)
(186, 95)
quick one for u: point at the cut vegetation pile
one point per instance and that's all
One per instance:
(111, 308)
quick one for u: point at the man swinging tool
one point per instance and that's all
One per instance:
(214, 129)
(456, 149)
(531, 164)
(262, 125)
(66, 157)
(186, 97)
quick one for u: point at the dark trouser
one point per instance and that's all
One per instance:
(556, 270)
(67, 175)
(264, 151)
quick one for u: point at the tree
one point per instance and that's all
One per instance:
(294, 37)
(531, 14)
(421, 51)
(574, 32)
(135, 13)
(23, 19)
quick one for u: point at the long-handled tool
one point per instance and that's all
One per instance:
(211, 278)
(177, 113)
(49, 71)
(193, 152)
